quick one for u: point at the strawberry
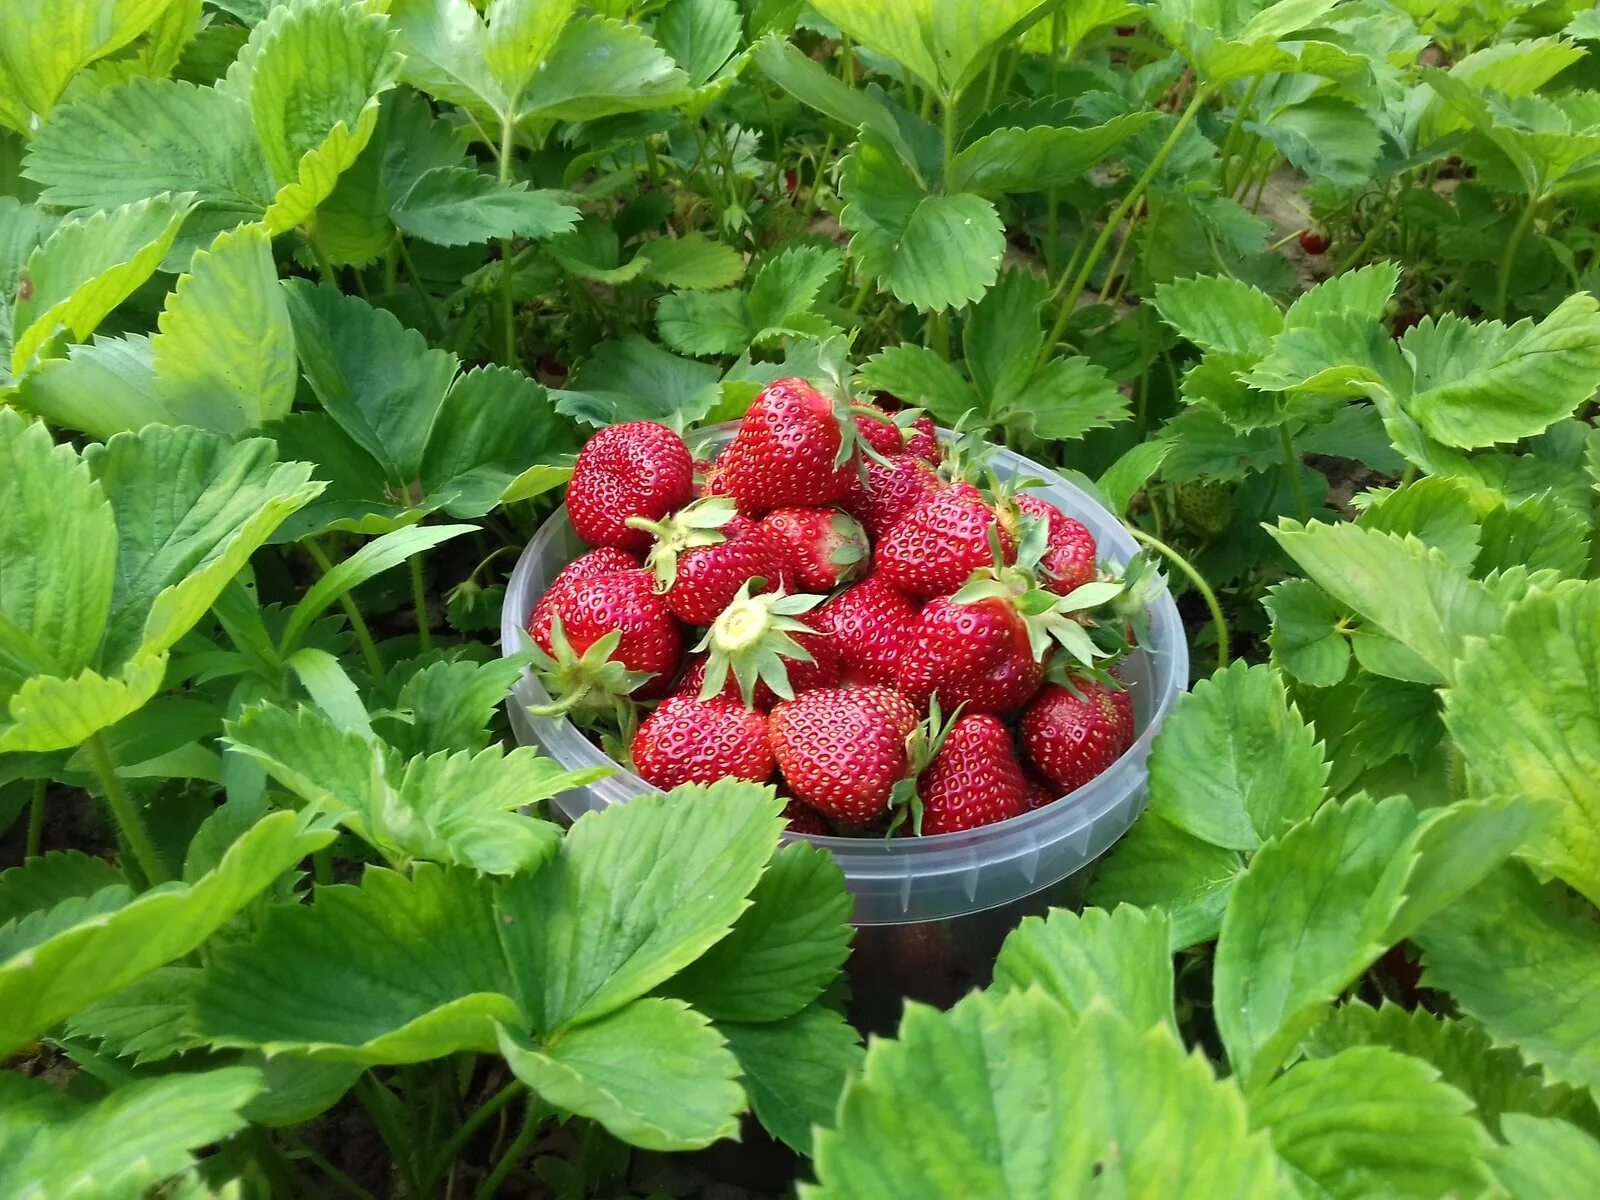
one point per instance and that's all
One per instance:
(871, 625)
(975, 654)
(1068, 561)
(878, 429)
(887, 490)
(1314, 241)
(826, 548)
(636, 469)
(1072, 738)
(609, 635)
(932, 549)
(708, 479)
(1039, 790)
(689, 740)
(792, 448)
(974, 778)
(761, 649)
(844, 750)
(923, 441)
(802, 818)
(704, 553)
(604, 561)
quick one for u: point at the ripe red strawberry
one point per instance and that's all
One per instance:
(636, 469)
(1072, 740)
(922, 441)
(1069, 558)
(708, 479)
(604, 561)
(689, 740)
(802, 818)
(975, 654)
(1040, 791)
(932, 549)
(889, 491)
(622, 609)
(704, 553)
(843, 750)
(1314, 241)
(827, 548)
(791, 448)
(974, 778)
(765, 648)
(871, 625)
(878, 430)
(821, 672)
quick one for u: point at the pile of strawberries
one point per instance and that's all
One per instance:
(831, 600)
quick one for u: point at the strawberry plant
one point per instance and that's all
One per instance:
(314, 313)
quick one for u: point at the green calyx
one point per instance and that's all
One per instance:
(590, 684)
(691, 527)
(922, 747)
(752, 639)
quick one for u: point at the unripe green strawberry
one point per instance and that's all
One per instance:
(1205, 507)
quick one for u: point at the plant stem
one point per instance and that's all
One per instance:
(417, 286)
(35, 820)
(479, 1116)
(1070, 304)
(1509, 254)
(816, 184)
(1237, 128)
(508, 138)
(847, 61)
(419, 597)
(327, 1168)
(1291, 464)
(129, 819)
(949, 136)
(324, 266)
(1123, 247)
(358, 623)
(514, 1152)
(373, 1096)
(1218, 621)
(938, 334)
(391, 271)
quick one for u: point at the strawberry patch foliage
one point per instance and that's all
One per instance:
(307, 308)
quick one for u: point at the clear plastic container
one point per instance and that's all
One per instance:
(961, 891)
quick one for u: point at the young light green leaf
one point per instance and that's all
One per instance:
(58, 539)
(700, 35)
(692, 261)
(1500, 711)
(224, 356)
(655, 1073)
(1437, 511)
(1544, 1159)
(692, 860)
(103, 386)
(783, 951)
(1217, 312)
(191, 509)
(1486, 383)
(1307, 916)
(1521, 988)
(1236, 764)
(599, 67)
(1496, 1078)
(1305, 638)
(1408, 591)
(128, 936)
(1120, 958)
(457, 206)
(915, 375)
(377, 556)
(53, 712)
(52, 1144)
(1157, 865)
(1363, 294)
(88, 266)
(794, 1070)
(1033, 160)
(982, 1083)
(520, 37)
(331, 689)
(1123, 479)
(1371, 1121)
(43, 47)
(340, 978)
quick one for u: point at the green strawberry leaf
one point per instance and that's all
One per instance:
(55, 712)
(1544, 1159)
(692, 261)
(1363, 294)
(1329, 139)
(457, 206)
(1369, 1120)
(1120, 957)
(50, 880)
(700, 35)
(781, 61)
(147, 1021)
(982, 1083)
(783, 951)
(1437, 511)
(52, 1144)
(1067, 399)
(128, 936)
(1216, 312)
(636, 380)
(794, 1070)
(655, 1073)
(103, 386)
(448, 704)
(1305, 638)
(1543, 661)
(1496, 1078)
(1033, 160)
(1002, 338)
(1521, 989)
(1235, 763)
(915, 375)
(1156, 865)
(788, 284)
(598, 67)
